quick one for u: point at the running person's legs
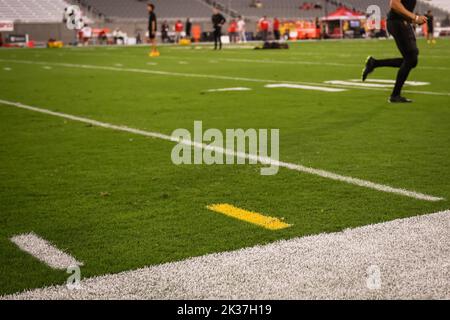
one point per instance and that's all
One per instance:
(405, 39)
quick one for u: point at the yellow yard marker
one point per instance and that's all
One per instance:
(252, 217)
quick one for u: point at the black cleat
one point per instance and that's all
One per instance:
(399, 99)
(368, 68)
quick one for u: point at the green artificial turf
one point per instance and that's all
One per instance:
(115, 200)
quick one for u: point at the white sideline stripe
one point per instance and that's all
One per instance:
(206, 76)
(408, 83)
(262, 160)
(44, 251)
(299, 86)
(411, 254)
(230, 89)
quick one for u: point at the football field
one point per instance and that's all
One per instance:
(85, 150)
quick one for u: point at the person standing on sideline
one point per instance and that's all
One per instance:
(178, 31)
(87, 34)
(138, 38)
(276, 29)
(152, 28)
(218, 20)
(264, 27)
(188, 28)
(232, 30)
(430, 27)
(399, 26)
(165, 32)
(241, 30)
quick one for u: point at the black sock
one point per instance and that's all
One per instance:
(395, 63)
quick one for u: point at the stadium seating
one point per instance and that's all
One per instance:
(422, 6)
(51, 10)
(278, 8)
(32, 10)
(443, 4)
(134, 9)
(291, 8)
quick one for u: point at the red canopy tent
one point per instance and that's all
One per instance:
(343, 14)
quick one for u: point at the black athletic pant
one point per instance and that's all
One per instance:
(276, 34)
(217, 37)
(405, 39)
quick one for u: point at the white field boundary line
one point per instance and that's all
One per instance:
(45, 251)
(410, 254)
(208, 76)
(260, 159)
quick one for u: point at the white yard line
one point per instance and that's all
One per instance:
(373, 83)
(205, 76)
(230, 89)
(408, 83)
(45, 251)
(303, 87)
(358, 84)
(400, 259)
(428, 93)
(262, 160)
